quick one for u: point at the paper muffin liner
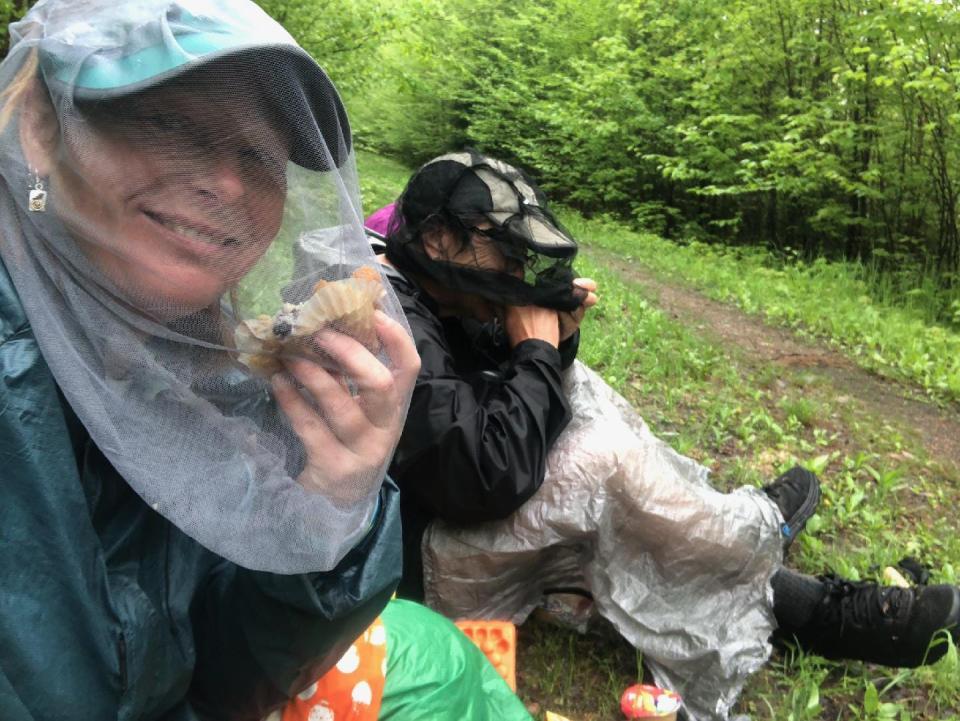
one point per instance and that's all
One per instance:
(350, 301)
(347, 306)
(258, 346)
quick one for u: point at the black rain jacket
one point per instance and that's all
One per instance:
(481, 420)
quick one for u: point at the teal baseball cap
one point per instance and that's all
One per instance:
(92, 50)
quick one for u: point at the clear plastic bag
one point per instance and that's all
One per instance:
(681, 570)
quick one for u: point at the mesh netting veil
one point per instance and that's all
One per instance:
(507, 246)
(196, 224)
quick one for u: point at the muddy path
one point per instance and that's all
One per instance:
(902, 407)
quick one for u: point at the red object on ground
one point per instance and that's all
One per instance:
(649, 702)
(498, 641)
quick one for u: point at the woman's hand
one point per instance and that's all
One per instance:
(349, 438)
(570, 320)
(525, 322)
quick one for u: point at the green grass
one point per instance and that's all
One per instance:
(742, 421)
(834, 301)
(381, 179)
(748, 420)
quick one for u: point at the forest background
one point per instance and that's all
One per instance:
(811, 128)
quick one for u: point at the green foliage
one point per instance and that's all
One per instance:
(829, 128)
(340, 34)
(826, 128)
(381, 181)
(10, 10)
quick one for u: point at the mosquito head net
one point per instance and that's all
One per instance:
(180, 215)
(479, 226)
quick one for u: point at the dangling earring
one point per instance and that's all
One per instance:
(234, 299)
(38, 196)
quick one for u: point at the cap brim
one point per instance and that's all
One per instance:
(291, 83)
(537, 233)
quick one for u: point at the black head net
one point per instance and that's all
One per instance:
(480, 226)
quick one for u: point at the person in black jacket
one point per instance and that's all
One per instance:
(490, 430)
(484, 275)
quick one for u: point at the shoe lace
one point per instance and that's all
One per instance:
(864, 604)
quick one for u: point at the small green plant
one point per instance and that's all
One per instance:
(802, 409)
(887, 480)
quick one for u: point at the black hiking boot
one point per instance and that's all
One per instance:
(797, 494)
(880, 624)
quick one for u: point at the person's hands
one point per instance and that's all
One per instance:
(349, 438)
(523, 322)
(570, 320)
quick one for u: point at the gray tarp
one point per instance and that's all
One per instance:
(680, 569)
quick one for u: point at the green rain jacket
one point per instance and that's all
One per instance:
(108, 611)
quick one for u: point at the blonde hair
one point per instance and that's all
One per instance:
(12, 96)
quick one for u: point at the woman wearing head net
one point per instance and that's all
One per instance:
(517, 477)
(194, 515)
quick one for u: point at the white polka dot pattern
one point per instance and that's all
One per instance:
(322, 713)
(362, 693)
(350, 691)
(350, 661)
(378, 636)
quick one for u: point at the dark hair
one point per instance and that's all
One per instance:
(550, 286)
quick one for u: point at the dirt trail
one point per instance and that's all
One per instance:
(937, 429)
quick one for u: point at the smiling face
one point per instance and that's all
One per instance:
(173, 195)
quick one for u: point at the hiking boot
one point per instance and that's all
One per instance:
(881, 624)
(797, 494)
